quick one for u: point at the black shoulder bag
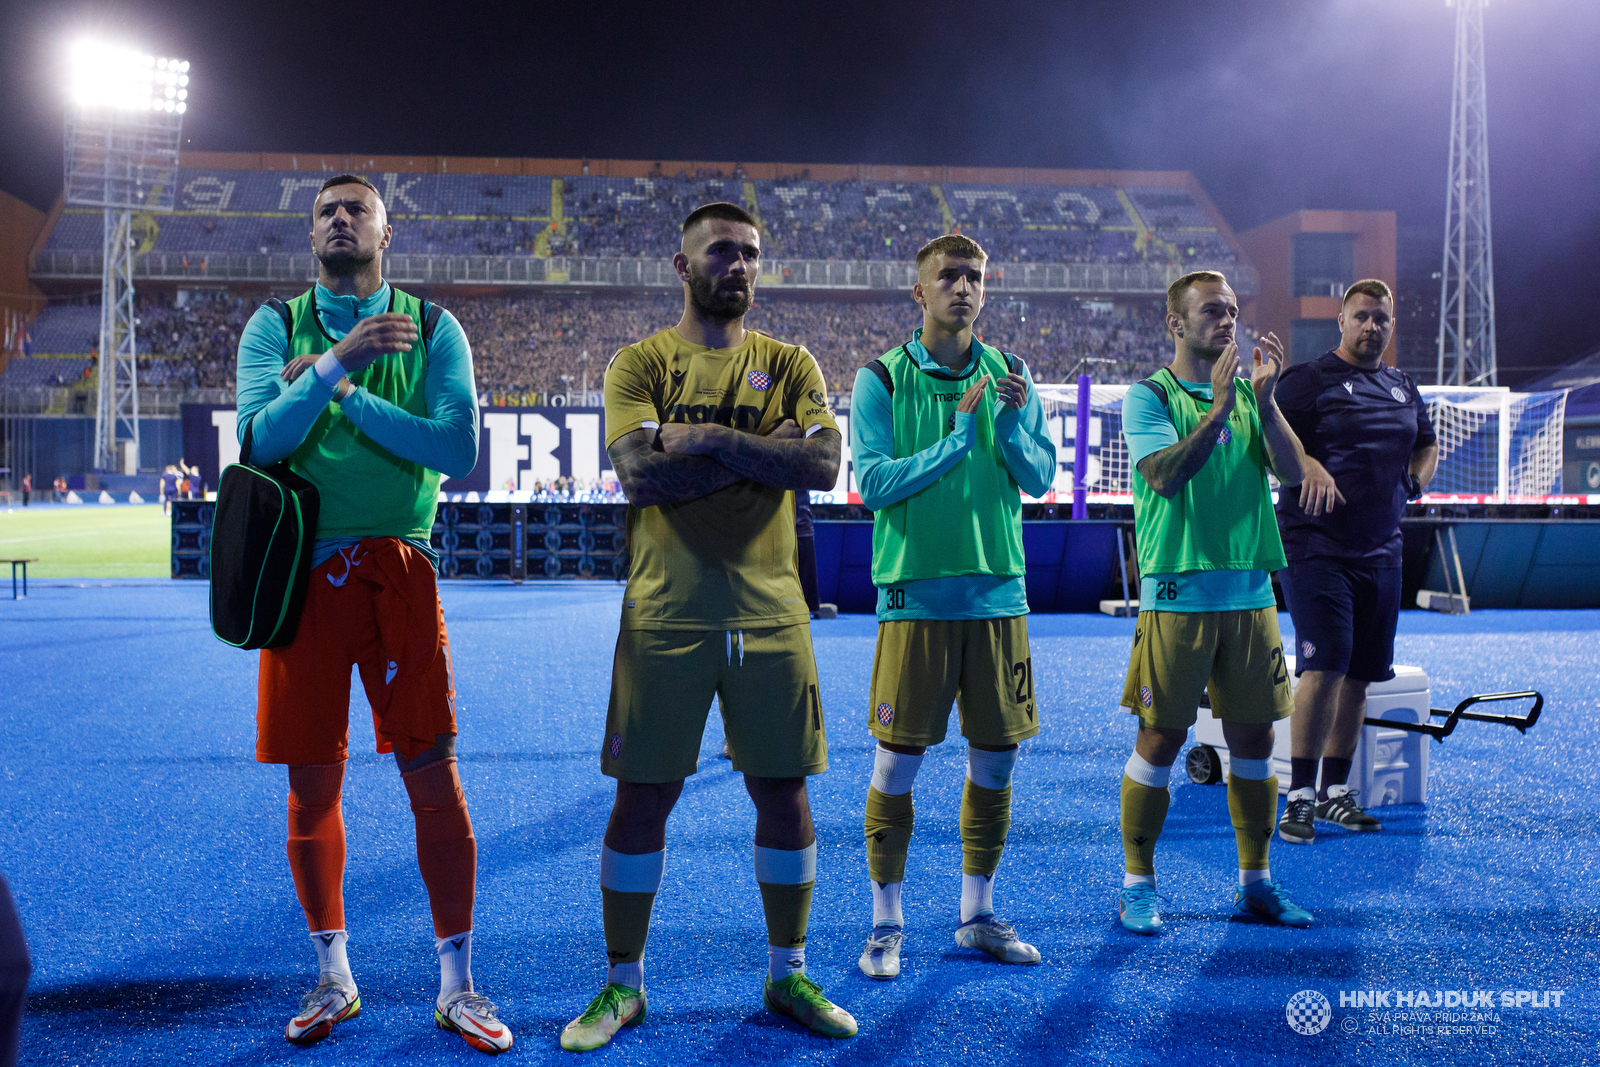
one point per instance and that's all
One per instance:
(261, 537)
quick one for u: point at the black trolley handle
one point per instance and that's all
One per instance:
(1521, 723)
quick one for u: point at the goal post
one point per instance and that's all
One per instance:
(1495, 445)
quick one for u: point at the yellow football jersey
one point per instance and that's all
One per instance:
(726, 561)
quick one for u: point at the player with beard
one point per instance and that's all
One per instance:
(1370, 447)
(711, 428)
(366, 392)
(1207, 541)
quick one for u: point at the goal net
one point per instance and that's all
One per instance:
(1494, 444)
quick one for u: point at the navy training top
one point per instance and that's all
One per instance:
(1363, 427)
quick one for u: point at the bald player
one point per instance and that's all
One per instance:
(712, 429)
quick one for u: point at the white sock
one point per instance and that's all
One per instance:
(628, 974)
(886, 904)
(977, 896)
(455, 963)
(1137, 879)
(782, 962)
(332, 963)
(1304, 793)
(1246, 877)
(1146, 773)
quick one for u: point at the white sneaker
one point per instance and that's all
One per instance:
(616, 1006)
(881, 958)
(476, 1019)
(997, 938)
(325, 1005)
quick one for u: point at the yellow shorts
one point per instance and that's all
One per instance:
(922, 666)
(1236, 656)
(662, 682)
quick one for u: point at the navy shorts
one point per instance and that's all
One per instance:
(1344, 616)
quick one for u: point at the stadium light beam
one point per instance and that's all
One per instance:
(124, 125)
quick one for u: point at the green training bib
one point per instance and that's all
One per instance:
(969, 521)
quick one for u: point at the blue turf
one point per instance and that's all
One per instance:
(147, 858)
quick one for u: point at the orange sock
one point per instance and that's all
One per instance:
(316, 842)
(447, 853)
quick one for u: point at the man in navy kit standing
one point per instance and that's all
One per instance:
(1370, 447)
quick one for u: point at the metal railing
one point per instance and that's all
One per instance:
(1145, 279)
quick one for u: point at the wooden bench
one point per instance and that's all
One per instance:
(15, 563)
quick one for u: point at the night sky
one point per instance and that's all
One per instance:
(1274, 106)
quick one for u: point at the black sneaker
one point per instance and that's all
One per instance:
(1344, 810)
(1295, 826)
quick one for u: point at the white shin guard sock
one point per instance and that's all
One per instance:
(1137, 879)
(628, 974)
(1263, 875)
(332, 962)
(782, 962)
(894, 773)
(1147, 774)
(886, 904)
(977, 896)
(992, 770)
(455, 963)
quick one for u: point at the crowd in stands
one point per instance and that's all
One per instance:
(190, 347)
(528, 347)
(523, 346)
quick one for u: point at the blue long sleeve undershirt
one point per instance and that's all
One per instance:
(1026, 449)
(280, 414)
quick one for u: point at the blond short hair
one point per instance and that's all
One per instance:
(1176, 290)
(951, 244)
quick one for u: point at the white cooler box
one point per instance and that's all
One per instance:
(1389, 767)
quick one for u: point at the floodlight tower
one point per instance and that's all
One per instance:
(124, 126)
(1466, 287)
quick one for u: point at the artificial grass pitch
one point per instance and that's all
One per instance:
(89, 540)
(146, 854)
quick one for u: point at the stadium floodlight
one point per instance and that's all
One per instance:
(124, 124)
(1466, 285)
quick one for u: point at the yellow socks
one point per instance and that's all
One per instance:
(628, 885)
(888, 827)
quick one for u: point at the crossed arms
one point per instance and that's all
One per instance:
(684, 462)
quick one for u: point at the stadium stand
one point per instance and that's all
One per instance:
(609, 217)
(66, 329)
(525, 344)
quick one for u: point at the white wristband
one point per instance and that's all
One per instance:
(328, 369)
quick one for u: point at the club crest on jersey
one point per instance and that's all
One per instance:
(1145, 696)
(616, 745)
(885, 713)
(1398, 393)
(1350, 387)
(759, 380)
(1307, 649)
(1225, 436)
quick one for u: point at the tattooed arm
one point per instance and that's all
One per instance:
(782, 460)
(650, 476)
